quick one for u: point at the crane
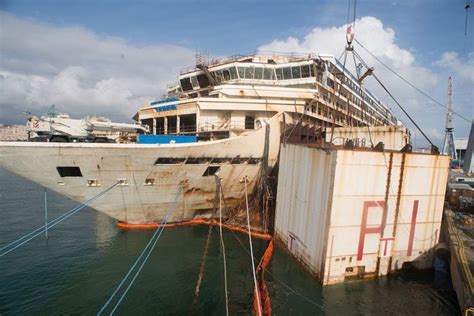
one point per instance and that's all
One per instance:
(448, 144)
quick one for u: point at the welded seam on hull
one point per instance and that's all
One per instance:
(397, 210)
(330, 194)
(387, 191)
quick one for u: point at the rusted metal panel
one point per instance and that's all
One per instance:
(393, 137)
(421, 205)
(363, 192)
(304, 182)
(378, 211)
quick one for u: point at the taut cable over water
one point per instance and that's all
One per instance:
(146, 251)
(26, 238)
(256, 291)
(223, 249)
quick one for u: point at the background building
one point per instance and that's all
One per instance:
(13, 133)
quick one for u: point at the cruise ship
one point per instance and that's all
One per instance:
(232, 113)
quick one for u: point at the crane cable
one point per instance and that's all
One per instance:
(408, 82)
(338, 96)
(349, 38)
(257, 291)
(467, 7)
(354, 17)
(362, 108)
(348, 11)
(434, 148)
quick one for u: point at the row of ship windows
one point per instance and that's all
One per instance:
(74, 171)
(364, 94)
(351, 97)
(248, 72)
(264, 73)
(355, 89)
(284, 73)
(328, 97)
(211, 170)
(340, 115)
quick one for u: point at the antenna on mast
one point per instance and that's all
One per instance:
(448, 145)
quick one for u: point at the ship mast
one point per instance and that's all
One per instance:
(448, 145)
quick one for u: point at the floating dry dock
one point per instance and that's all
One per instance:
(348, 214)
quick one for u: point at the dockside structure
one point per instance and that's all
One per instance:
(348, 214)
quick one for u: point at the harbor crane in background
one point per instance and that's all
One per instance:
(448, 144)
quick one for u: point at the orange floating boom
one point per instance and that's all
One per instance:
(197, 221)
(262, 286)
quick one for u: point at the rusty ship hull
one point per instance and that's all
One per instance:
(149, 176)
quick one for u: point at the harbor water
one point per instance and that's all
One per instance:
(76, 270)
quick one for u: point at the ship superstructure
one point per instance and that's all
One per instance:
(226, 97)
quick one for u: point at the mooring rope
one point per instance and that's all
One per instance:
(203, 265)
(26, 238)
(278, 280)
(223, 250)
(257, 294)
(146, 252)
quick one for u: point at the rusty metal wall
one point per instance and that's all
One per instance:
(393, 137)
(421, 205)
(377, 210)
(304, 183)
(360, 186)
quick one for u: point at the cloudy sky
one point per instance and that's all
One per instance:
(110, 57)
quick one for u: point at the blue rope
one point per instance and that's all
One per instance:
(138, 272)
(39, 229)
(50, 224)
(153, 240)
(128, 273)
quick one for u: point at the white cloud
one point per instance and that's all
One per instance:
(461, 69)
(369, 30)
(80, 71)
(382, 42)
(375, 37)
